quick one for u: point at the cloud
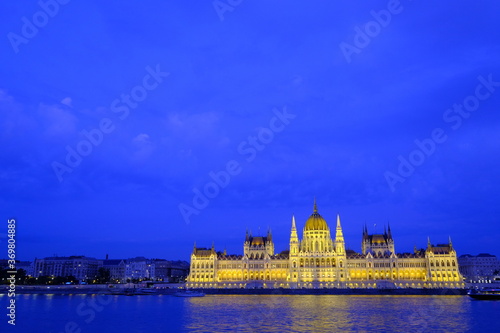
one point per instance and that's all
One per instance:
(141, 139)
(196, 127)
(67, 101)
(143, 148)
(15, 122)
(57, 121)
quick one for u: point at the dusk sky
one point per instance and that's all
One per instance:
(138, 128)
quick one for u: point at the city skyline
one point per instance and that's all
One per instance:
(350, 244)
(140, 130)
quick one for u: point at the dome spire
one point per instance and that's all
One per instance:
(315, 221)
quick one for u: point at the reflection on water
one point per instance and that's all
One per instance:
(251, 313)
(328, 313)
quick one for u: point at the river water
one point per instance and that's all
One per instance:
(250, 313)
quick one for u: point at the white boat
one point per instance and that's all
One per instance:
(189, 293)
(485, 294)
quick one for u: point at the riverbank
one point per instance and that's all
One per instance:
(169, 290)
(91, 289)
(335, 291)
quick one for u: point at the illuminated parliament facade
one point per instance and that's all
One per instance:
(318, 261)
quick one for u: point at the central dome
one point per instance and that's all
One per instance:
(316, 221)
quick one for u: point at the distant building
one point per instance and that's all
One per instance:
(116, 268)
(139, 268)
(318, 261)
(142, 268)
(482, 267)
(25, 265)
(171, 271)
(81, 267)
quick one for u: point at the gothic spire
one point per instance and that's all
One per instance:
(293, 232)
(315, 208)
(338, 232)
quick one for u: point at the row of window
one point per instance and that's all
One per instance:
(331, 263)
(443, 263)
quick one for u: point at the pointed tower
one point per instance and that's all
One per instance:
(429, 245)
(390, 240)
(294, 254)
(294, 239)
(339, 238)
(269, 234)
(269, 243)
(340, 255)
(365, 242)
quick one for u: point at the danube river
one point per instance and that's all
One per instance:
(250, 313)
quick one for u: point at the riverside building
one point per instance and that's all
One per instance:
(320, 261)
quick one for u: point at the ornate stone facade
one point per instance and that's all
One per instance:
(318, 261)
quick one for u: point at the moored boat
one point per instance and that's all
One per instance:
(189, 293)
(133, 292)
(485, 294)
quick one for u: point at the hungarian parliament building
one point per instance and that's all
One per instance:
(317, 261)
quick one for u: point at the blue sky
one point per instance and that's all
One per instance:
(269, 90)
